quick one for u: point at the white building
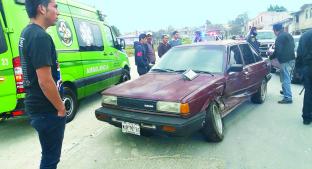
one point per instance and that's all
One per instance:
(265, 20)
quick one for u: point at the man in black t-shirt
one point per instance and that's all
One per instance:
(42, 80)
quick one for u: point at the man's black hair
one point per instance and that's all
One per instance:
(174, 32)
(142, 36)
(163, 36)
(32, 5)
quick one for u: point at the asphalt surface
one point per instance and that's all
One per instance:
(266, 136)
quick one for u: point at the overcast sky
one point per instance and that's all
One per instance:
(132, 15)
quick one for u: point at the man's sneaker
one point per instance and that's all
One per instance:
(306, 121)
(285, 101)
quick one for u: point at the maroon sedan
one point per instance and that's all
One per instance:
(191, 88)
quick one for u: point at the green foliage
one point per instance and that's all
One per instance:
(238, 23)
(276, 8)
(116, 31)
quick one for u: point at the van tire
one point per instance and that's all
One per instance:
(125, 76)
(71, 104)
(260, 96)
(213, 127)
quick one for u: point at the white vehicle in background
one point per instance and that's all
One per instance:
(266, 39)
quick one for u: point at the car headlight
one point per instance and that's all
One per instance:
(111, 100)
(172, 107)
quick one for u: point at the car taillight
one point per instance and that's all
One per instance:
(18, 72)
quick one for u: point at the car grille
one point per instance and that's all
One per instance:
(137, 104)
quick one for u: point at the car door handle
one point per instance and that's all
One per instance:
(2, 78)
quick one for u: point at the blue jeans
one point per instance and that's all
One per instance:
(285, 78)
(307, 100)
(50, 128)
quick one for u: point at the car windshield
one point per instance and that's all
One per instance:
(265, 35)
(202, 59)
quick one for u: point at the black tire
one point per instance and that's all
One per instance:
(71, 104)
(260, 96)
(125, 76)
(213, 127)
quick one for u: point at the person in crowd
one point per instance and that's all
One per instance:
(252, 39)
(141, 60)
(164, 46)
(150, 48)
(198, 37)
(304, 61)
(285, 54)
(175, 41)
(42, 80)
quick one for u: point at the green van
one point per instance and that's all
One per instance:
(91, 59)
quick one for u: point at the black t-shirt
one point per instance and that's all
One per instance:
(37, 50)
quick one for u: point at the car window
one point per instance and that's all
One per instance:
(256, 55)
(200, 58)
(3, 45)
(247, 54)
(109, 36)
(235, 56)
(89, 35)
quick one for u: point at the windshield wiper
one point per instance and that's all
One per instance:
(162, 70)
(201, 71)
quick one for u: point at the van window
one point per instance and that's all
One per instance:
(3, 45)
(247, 54)
(89, 35)
(109, 36)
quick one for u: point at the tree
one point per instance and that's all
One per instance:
(237, 25)
(116, 31)
(276, 8)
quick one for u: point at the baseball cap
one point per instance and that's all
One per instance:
(149, 34)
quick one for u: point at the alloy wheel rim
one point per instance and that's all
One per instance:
(218, 119)
(69, 104)
(263, 90)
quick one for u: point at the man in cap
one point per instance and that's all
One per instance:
(141, 59)
(150, 48)
(285, 54)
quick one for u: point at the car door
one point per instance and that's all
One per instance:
(253, 68)
(8, 98)
(236, 84)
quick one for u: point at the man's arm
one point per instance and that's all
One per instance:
(49, 89)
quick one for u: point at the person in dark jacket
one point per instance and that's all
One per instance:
(304, 61)
(198, 37)
(252, 39)
(150, 48)
(164, 46)
(285, 54)
(141, 60)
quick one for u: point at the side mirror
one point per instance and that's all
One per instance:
(235, 68)
(121, 44)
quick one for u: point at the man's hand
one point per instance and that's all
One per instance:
(62, 112)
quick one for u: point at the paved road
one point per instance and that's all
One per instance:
(267, 136)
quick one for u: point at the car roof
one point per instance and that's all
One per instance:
(215, 43)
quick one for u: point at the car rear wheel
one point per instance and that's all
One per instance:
(260, 96)
(213, 127)
(71, 104)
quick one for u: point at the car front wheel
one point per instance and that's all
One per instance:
(213, 127)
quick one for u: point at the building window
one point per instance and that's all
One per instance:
(307, 14)
(311, 13)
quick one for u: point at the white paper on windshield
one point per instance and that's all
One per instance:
(190, 74)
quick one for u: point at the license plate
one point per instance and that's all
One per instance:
(131, 128)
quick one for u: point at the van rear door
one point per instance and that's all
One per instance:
(8, 98)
